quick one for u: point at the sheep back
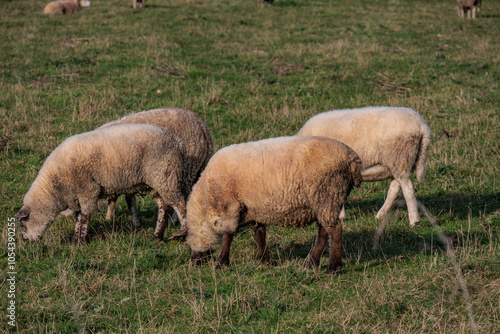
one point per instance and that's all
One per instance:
(394, 137)
(188, 127)
(61, 7)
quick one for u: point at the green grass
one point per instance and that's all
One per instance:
(255, 73)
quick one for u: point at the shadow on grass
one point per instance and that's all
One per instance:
(395, 244)
(457, 205)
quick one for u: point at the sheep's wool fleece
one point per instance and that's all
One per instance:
(61, 7)
(286, 181)
(119, 160)
(377, 134)
(188, 127)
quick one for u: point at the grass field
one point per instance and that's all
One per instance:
(254, 73)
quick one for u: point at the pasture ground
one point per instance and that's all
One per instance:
(254, 73)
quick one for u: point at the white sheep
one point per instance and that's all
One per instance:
(65, 7)
(469, 7)
(185, 124)
(124, 159)
(287, 181)
(391, 142)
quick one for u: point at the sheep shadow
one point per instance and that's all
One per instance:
(460, 206)
(359, 253)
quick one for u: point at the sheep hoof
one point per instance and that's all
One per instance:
(81, 240)
(158, 237)
(335, 269)
(222, 265)
(311, 264)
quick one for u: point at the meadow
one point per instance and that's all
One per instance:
(251, 74)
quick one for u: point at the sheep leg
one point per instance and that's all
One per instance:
(180, 210)
(342, 213)
(226, 246)
(81, 227)
(319, 246)
(111, 208)
(133, 209)
(335, 241)
(411, 201)
(391, 197)
(260, 239)
(160, 221)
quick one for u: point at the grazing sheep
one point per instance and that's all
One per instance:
(287, 181)
(469, 7)
(65, 7)
(189, 128)
(124, 159)
(262, 3)
(391, 142)
(141, 3)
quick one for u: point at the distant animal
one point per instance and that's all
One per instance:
(262, 3)
(391, 142)
(65, 7)
(286, 182)
(468, 6)
(140, 3)
(123, 159)
(186, 125)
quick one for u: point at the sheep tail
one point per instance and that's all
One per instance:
(425, 142)
(356, 171)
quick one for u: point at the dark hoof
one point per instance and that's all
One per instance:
(335, 270)
(222, 265)
(158, 237)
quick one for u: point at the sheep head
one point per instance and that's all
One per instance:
(33, 223)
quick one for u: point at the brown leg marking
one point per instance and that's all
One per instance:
(224, 255)
(260, 239)
(111, 208)
(319, 246)
(335, 234)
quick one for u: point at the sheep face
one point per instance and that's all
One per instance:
(201, 240)
(33, 223)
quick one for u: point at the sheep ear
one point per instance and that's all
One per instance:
(23, 213)
(179, 234)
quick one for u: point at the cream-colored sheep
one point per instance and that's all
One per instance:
(124, 159)
(187, 126)
(468, 6)
(287, 181)
(391, 142)
(65, 7)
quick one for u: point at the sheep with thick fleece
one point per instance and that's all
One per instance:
(392, 143)
(469, 7)
(287, 181)
(123, 159)
(186, 125)
(65, 7)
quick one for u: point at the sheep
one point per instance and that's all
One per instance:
(142, 3)
(392, 143)
(469, 7)
(123, 159)
(65, 7)
(286, 181)
(185, 124)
